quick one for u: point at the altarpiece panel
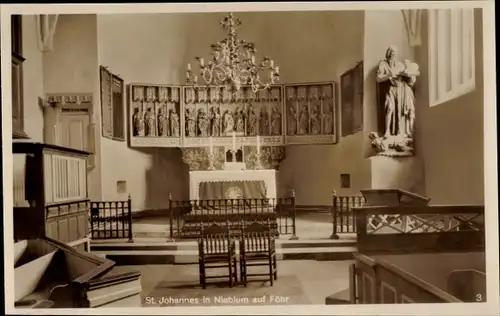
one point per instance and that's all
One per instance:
(310, 113)
(154, 115)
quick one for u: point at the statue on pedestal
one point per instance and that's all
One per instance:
(396, 80)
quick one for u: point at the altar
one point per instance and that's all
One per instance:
(232, 184)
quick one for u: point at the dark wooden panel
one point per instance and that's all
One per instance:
(383, 283)
(106, 103)
(351, 90)
(413, 288)
(17, 96)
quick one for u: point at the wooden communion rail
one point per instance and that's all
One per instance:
(188, 217)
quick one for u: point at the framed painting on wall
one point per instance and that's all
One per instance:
(351, 90)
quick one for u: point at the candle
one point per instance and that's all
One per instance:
(277, 69)
(258, 144)
(202, 62)
(234, 141)
(211, 146)
(189, 67)
(253, 59)
(272, 63)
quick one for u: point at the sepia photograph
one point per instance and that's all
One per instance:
(235, 158)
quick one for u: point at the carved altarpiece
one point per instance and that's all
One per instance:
(201, 121)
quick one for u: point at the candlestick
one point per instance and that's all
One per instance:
(234, 141)
(211, 161)
(258, 144)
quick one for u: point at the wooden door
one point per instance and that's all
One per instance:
(74, 130)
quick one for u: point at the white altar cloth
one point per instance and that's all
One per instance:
(198, 177)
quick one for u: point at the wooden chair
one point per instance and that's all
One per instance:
(217, 249)
(258, 248)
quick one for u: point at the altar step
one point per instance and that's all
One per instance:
(158, 251)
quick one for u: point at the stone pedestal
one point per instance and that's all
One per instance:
(405, 173)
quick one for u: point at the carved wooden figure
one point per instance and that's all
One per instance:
(328, 120)
(275, 121)
(251, 122)
(292, 121)
(240, 120)
(264, 122)
(174, 123)
(190, 123)
(304, 121)
(315, 121)
(137, 122)
(162, 123)
(228, 122)
(203, 123)
(149, 119)
(215, 121)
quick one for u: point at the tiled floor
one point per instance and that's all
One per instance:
(299, 282)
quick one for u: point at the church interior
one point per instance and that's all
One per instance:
(142, 163)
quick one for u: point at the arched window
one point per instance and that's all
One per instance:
(451, 54)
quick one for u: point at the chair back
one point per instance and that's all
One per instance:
(257, 237)
(215, 240)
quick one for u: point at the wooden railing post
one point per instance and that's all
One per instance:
(334, 216)
(171, 217)
(129, 210)
(91, 221)
(294, 232)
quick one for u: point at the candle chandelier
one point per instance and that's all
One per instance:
(233, 64)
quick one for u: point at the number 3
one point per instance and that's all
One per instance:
(479, 298)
